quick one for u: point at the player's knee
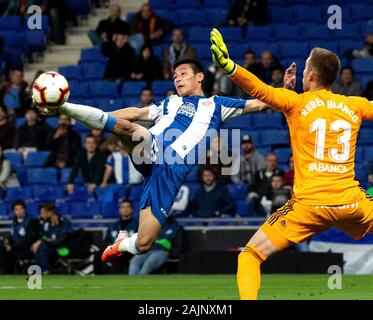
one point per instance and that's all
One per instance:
(144, 244)
(250, 252)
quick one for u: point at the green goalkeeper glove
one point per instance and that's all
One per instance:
(220, 54)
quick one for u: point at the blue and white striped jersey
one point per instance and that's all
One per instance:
(183, 122)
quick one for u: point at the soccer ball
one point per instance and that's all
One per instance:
(50, 90)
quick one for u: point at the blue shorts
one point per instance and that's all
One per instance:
(162, 182)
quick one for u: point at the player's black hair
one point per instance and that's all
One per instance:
(147, 89)
(347, 68)
(278, 176)
(195, 64)
(18, 203)
(89, 135)
(49, 206)
(126, 201)
(250, 52)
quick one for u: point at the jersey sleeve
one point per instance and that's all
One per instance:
(282, 99)
(365, 107)
(110, 161)
(156, 110)
(230, 107)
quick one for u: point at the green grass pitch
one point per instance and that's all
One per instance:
(183, 287)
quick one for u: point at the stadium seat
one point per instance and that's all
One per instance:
(305, 13)
(237, 191)
(181, 4)
(79, 90)
(36, 159)
(63, 208)
(348, 32)
(171, 15)
(14, 39)
(280, 15)
(24, 193)
(202, 51)
(241, 122)
(80, 194)
(36, 40)
(91, 55)
(241, 208)
(368, 153)
(314, 32)
(92, 70)
(4, 211)
(215, 17)
(85, 209)
(231, 34)
(160, 87)
(363, 66)
(283, 155)
(11, 23)
(133, 88)
(33, 209)
(293, 49)
(360, 173)
(103, 89)
(71, 72)
(361, 12)
(365, 136)
(193, 175)
(15, 159)
(274, 137)
(359, 155)
(42, 175)
(110, 210)
(259, 33)
(47, 193)
(79, 7)
(136, 192)
(260, 46)
(108, 104)
(198, 34)
(284, 31)
(161, 4)
(45, 25)
(208, 4)
(268, 120)
(52, 121)
(190, 17)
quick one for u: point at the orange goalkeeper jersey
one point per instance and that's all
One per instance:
(323, 131)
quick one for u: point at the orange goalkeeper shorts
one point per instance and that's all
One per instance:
(297, 222)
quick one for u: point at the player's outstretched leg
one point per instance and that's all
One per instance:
(257, 250)
(140, 242)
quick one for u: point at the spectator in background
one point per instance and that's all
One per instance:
(109, 145)
(7, 129)
(262, 184)
(267, 64)
(347, 85)
(169, 243)
(212, 199)
(366, 52)
(56, 239)
(33, 135)
(289, 175)
(108, 27)
(148, 67)
(146, 97)
(99, 136)
(247, 12)
(91, 162)
(13, 94)
(149, 25)
(277, 77)
(178, 50)
(25, 231)
(7, 178)
(121, 58)
(64, 145)
(251, 162)
(277, 196)
(250, 63)
(127, 223)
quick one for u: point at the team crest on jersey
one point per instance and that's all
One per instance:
(187, 109)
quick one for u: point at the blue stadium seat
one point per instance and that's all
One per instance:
(215, 17)
(79, 90)
(259, 33)
(42, 175)
(136, 192)
(85, 209)
(207, 4)
(363, 66)
(4, 211)
(158, 51)
(193, 175)
(314, 32)
(171, 15)
(93, 70)
(360, 173)
(260, 46)
(294, 49)
(286, 31)
(181, 4)
(365, 136)
(305, 13)
(361, 12)
(110, 210)
(91, 55)
(365, 29)
(344, 45)
(13, 57)
(280, 15)
(241, 208)
(348, 32)
(364, 80)
(79, 7)
(274, 137)
(20, 122)
(198, 34)
(47, 193)
(368, 153)
(71, 72)
(359, 155)
(131, 15)
(283, 155)
(33, 209)
(132, 88)
(190, 17)
(102, 88)
(160, 87)
(161, 4)
(108, 104)
(232, 34)
(268, 120)
(63, 208)
(52, 121)
(11, 23)
(80, 194)
(202, 51)
(15, 159)
(241, 122)
(237, 191)
(36, 159)
(24, 193)
(132, 102)
(14, 39)
(237, 50)
(86, 102)
(45, 25)
(264, 150)
(36, 40)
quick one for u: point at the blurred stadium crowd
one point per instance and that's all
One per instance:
(61, 167)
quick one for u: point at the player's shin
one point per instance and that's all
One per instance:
(248, 274)
(92, 117)
(129, 245)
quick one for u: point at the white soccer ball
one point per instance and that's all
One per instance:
(50, 90)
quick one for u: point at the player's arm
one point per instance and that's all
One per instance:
(132, 114)
(279, 98)
(255, 105)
